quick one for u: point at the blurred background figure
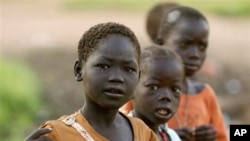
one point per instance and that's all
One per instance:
(38, 38)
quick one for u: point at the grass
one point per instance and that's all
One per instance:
(19, 100)
(221, 7)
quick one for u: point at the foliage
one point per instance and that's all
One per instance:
(19, 99)
(222, 7)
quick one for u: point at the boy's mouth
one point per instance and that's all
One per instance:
(115, 91)
(164, 111)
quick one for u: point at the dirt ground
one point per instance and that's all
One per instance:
(45, 36)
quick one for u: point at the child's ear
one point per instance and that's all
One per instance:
(78, 70)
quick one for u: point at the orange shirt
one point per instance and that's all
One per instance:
(201, 108)
(62, 132)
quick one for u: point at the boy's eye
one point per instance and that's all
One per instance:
(102, 66)
(203, 47)
(153, 87)
(184, 44)
(177, 90)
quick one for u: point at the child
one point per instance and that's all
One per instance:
(108, 66)
(154, 18)
(199, 116)
(157, 95)
(186, 31)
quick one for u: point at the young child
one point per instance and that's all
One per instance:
(158, 93)
(108, 65)
(154, 19)
(199, 116)
(186, 31)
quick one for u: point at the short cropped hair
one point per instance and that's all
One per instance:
(170, 16)
(90, 39)
(155, 52)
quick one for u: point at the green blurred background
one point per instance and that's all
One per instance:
(38, 50)
(222, 7)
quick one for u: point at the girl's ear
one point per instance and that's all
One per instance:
(78, 70)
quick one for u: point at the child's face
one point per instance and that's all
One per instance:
(111, 72)
(158, 92)
(189, 38)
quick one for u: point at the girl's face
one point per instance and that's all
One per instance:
(158, 92)
(189, 38)
(111, 73)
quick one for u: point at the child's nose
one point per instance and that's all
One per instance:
(116, 75)
(194, 52)
(165, 95)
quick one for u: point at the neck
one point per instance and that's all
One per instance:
(188, 86)
(97, 116)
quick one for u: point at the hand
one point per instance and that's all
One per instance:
(184, 133)
(38, 135)
(205, 132)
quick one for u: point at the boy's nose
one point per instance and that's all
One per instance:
(165, 96)
(194, 52)
(116, 76)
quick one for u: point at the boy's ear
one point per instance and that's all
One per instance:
(78, 70)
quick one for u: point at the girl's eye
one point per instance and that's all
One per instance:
(153, 87)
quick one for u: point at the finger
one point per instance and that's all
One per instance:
(205, 132)
(39, 132)
(184, 133)
(205, 138)
(203, 126)
(205, 135)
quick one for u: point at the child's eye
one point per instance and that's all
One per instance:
(183, 44)
(203, 47)
(102, 66)
(153, 87)
(177, 90)
(128, 69)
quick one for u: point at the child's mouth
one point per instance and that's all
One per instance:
(164, 112)
(114, 92)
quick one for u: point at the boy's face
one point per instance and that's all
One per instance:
(189, 38)
(111, 73)
(158, 92)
